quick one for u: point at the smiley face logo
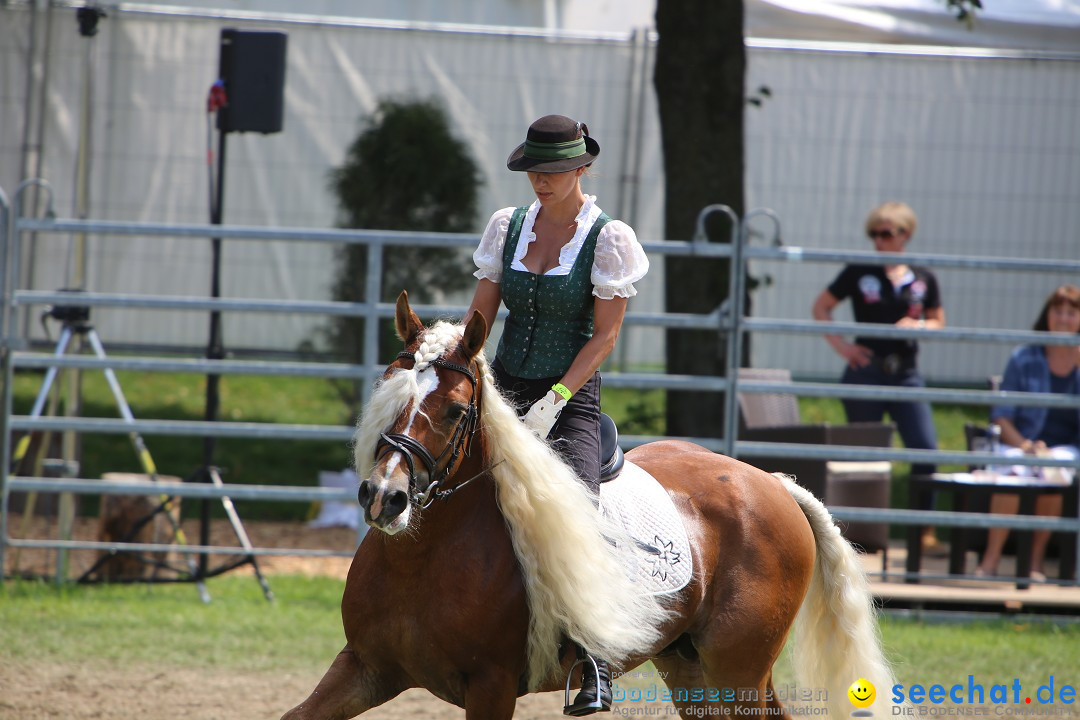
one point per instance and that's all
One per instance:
(862, 693)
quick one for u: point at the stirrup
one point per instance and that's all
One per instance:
(597, 705)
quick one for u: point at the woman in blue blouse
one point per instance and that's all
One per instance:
(565, 271)
(1039, 430)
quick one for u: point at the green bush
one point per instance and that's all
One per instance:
(405, 171)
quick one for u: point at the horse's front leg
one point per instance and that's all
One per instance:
(348, 688)
(491, 696)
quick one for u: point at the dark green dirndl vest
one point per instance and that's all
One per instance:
(551, 316)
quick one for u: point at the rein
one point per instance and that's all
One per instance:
(409, 447)
(442, 494)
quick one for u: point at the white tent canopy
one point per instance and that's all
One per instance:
(1050, 25)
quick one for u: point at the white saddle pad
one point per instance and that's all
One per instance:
(659, 560)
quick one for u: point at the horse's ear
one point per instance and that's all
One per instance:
(472, 341)
(405, 320)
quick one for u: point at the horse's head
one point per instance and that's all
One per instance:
(419, 424)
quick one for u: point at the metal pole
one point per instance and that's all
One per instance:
(215, 349)
(371, 323)
(5, 369)
(737, 318)
(14, 243)
(241, 534)
(82, 165)
(10, 273)
(31, 88)
(622, 203)
(38, 153)
(734, 346)
(1074, 512)
(622, 206)
(88, 17)
(630, 183)
(6, 231)
(701, 238)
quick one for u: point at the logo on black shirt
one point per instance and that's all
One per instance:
(870, 287)
(918, 291)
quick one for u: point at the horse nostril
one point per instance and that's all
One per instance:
(365, 494)
(396, 504)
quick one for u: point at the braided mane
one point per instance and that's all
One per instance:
(575, 583)
(394, 394)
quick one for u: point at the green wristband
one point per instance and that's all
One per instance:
(562, 390)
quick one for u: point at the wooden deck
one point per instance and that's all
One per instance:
(936, 591)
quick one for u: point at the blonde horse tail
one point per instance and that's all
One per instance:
(836, 639)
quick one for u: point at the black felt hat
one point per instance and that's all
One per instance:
(554, 144)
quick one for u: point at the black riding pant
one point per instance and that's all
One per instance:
(576, 434)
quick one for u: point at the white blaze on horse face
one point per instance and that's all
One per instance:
(394, 472)
(427, 380)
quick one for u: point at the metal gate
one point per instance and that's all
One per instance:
(728, 319)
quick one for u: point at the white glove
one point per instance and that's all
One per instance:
(544, 412)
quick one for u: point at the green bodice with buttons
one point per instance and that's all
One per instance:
(551, 316)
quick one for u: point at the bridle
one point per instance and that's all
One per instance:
(459, 443)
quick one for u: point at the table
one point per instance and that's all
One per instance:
(967, 487)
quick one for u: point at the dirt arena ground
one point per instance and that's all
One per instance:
(74, 692)
(85, 691)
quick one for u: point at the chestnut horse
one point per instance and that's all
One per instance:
(492, 562)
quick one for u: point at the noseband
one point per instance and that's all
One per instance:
(409, 447)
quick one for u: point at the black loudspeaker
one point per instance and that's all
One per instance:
(252, 66)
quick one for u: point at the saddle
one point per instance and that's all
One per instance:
(611, 455)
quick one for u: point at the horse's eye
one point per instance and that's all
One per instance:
(455, 411)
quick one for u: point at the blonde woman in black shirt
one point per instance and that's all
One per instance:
(893, 294)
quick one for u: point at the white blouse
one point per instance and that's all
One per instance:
(619, 260)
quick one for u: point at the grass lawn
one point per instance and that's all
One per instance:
(992, 650)
(166, 626)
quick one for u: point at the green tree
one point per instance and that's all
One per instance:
(404, 171)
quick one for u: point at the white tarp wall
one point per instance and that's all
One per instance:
(986, 150)
(149, 146)
(1029, 24)
(986, 147)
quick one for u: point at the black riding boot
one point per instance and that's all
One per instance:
(595, 694)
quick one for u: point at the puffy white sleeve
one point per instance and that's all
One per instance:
(489, 254)
(618, 263)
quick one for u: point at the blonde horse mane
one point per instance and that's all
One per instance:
(576, 584)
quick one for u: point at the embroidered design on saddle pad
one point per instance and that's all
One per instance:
(660, 561)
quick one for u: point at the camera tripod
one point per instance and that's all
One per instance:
(75, 321)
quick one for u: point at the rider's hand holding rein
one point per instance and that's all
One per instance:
(544, 412)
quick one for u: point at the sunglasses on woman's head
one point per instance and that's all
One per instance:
(883, 234)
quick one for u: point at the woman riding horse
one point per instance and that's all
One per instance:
(483, 567)
(564, 270)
